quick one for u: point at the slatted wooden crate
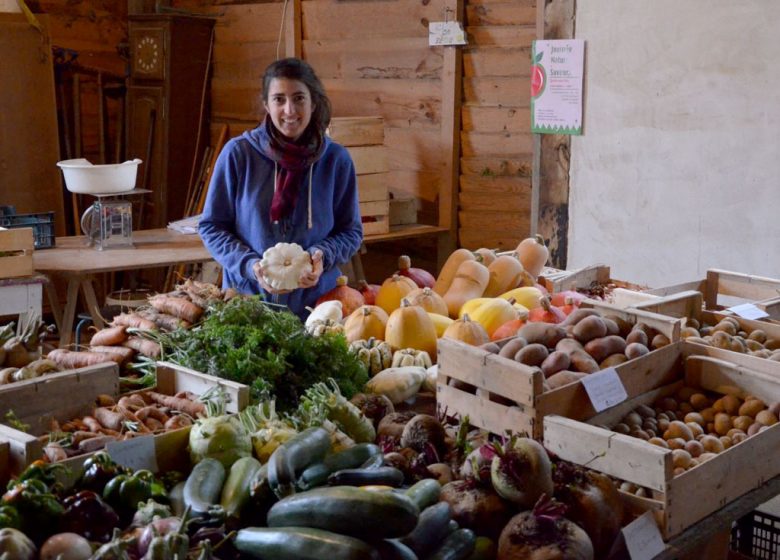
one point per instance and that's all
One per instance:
(71, 394)
(619, 292)
(4, 467)
(722, 288)
(677, 501)
(364, 139)
(510, 395)
(16, 249)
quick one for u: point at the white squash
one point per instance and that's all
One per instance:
(327, 310)
(397, 383)
(283, 264)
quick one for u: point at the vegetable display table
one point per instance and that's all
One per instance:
(78, 263)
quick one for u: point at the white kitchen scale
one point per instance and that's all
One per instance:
(108, 223)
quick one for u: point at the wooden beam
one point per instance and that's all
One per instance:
(452, 75)
(550, 205)
(293, 34)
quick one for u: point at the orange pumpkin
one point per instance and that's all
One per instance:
(409, 326)
(392, 291)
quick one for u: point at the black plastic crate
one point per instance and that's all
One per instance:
(757, 535)
(41, 223)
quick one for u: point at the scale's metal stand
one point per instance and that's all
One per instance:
(108, 223)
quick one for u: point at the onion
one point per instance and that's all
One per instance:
(157, 528)
(66, 546)
(421, 277)
(368, 291)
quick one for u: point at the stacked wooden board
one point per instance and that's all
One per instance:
(364, 139)
(16, 249)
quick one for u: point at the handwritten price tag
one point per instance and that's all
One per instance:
(135, 453)
(604, 389)
(643, 539)
(445, 33)
(748, 311)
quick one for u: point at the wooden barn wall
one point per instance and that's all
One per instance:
(496, 146)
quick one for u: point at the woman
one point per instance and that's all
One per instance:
(284, 181)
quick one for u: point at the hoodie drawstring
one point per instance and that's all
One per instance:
(309, 222)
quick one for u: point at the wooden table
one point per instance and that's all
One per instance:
(78, 263)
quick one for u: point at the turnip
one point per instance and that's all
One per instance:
(476, 507)
(521, 471)
(423, 431)
(543, 534)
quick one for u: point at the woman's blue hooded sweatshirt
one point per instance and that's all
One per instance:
(236, 227)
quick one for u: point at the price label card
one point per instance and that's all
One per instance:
(446, 33)
(604, 389)
(748, 311)
(643, 539)
(135, 453)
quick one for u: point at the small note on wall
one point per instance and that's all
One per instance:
(446, 33)
(557, 73)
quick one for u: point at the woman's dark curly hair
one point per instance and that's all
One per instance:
(297, 69)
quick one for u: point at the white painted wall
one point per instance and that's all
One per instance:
(678, 169)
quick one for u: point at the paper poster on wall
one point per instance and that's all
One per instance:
(556, 86)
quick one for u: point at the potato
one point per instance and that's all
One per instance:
(635, 350)
(660, 442)
(757, 335)
(722, 423)
(621, 428)
(726, 327)
(678, 471)
(721, 339)
(699, 401)
(694, 417)
(663, 424)
(753, 345)
(726, 441)
(738, 438)
(613, 360)
(711, 444)
(694, 448)
(633, 419)
(688, 332)
(678, 429)
(684, 408)
(532, 355)
(542, 333)
(589, 328)
(638, 336)
(706, 457)
(681, 458)
(708, 414)
(676, 443)
(555, 362)
(695, 428)
(562, 378)
(741, 423)
(578, 315)
(512, 347)
(669, 404)
(731, 404)
(582, 361)
(568, 345)
(612, 326)
(719, 406)
(734, 431)
(659, 341)
(766, 418)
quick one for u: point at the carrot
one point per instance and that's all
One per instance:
(124, 353)
(153, 424)
(193, 408)
(105, 400)
(81, 435)
(165, 321)
(176, 306)
(151, 412)
(95, 443)
(178, 421)
(134, 320)
(148, 348)
(109, 336)
(92, 424)
(72, 360)
(131, 402)
(109, 419)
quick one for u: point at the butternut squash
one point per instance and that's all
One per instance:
(527, 296)
(440, 322)
(533, 254)
(467, 331)
(450, 268)
(409, 326)
(392, 291)
(428, 300)
(367, 321)
(485, 256)
(506, 273)
(469, 282)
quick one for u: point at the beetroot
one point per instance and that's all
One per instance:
(521, 471)
(476, 507)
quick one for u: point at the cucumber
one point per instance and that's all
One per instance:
(431, 529)
(293, 456)
(391, 549)
(347, 510)
(457, 546)
(424, 493)
(301, 543)
(353, 457)
(374, 461)
(383, 476)
(237, 487)
(203, 486)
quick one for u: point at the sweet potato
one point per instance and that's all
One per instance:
(109, 336)
(176, 306)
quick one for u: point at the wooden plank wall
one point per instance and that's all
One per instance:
(496, 146)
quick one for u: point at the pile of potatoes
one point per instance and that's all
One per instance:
(697, 425)
(729, 335)
(585, 342)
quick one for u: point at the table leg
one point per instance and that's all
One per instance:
(69, 314)
(54, 303)
(92, 303)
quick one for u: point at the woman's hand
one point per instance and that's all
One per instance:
(258, 270)
(310, 279)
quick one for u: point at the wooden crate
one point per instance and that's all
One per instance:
(620, 292)
(510, 395)
(4, 458)
(678, 501)
(19, 244)
(364, 139)
(70, 394)
(723, 288)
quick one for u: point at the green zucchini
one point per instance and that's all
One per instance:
(457, 546)
(293, 456)
(350, 458)
(385, 476)
(374, 461)
(431, 529)
(424, 493)
(347, 510)
(237, 487)
(301, 543)
(391, 549)
(203, 486)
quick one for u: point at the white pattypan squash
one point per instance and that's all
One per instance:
(283, 264)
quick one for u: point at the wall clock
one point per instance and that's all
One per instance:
(148, 54)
